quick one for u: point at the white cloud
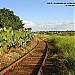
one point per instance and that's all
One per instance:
(38, 26)
(28, 23)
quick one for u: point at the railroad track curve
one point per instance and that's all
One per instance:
(44, 59)
(28, 64)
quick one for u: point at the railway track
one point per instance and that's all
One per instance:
(53, 62)
(28, 64)
(44, 59)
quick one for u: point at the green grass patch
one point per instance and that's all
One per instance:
(67, 43)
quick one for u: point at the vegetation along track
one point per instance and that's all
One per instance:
(45, 59)
(28, 64)
(53, 62)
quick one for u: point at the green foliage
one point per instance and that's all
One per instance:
(67, 43)
(10, 38)
(8, 19)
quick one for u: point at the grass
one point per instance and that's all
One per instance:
(67, 43)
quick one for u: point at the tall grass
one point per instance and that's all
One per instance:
(67, 43)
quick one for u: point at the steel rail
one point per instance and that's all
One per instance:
(17, 61)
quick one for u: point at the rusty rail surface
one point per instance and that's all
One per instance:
(40, 72)
(44, 59)
(52, 63)
(28, 64)
(20, 58)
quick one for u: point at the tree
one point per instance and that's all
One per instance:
(8, 19)
(29, 29)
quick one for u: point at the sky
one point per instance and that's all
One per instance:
(38, 15)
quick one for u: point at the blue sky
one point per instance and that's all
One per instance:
(37, 11)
